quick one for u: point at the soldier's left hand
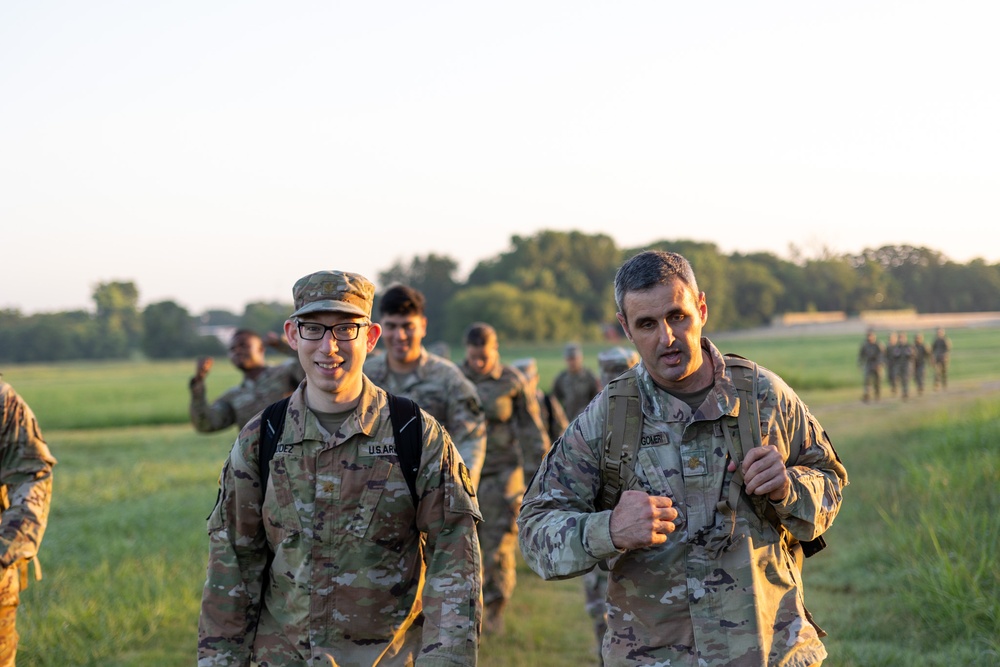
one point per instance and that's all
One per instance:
(764, 472)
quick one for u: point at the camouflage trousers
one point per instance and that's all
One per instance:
(500, 501)
(10, 590)
(595, 592)
(873, 383)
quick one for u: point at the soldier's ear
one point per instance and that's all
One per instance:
(624, 323)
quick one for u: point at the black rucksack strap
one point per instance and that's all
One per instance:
(407, 431)
(272, 423)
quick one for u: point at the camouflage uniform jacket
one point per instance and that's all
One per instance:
(439, 387)
(515, 435)
(359, 573)
(575, 390)
(940, 349)
(719, 591)
(871, 355)
(242, 402)
(25, 481)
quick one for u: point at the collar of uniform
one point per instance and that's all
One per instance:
(362, 419)
(724, 392)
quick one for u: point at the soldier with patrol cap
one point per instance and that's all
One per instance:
(693, 581)
(549, 409)
(575, 385)
(358, 570)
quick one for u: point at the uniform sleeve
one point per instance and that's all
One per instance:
(231, 598)
(531, 433)
(817, 475)
(26, 472)
(561, 532)
(466, 424)
(209, 418)
(447, 515)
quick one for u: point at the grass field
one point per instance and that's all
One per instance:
(910, 578)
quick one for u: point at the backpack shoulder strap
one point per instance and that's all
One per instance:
(407, 431)
(622, 429)
(272, 423)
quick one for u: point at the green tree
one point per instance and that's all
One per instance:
(262, 317)
(533, 315)
(756, 292)
(579, 268)
(119, 325)
(169, 332)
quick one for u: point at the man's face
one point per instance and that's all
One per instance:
(482, 358)
(665, 323)
(574, 363)
(333, 367)
(246, 351)
(403, 336)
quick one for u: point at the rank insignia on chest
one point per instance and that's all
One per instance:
(695, 463)
(377, 449)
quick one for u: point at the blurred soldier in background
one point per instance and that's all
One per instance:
(435, 384)
(901, 358)
(890, 367)
(871, 356)
(553, 417)
(25, 494)
(261, 385)
(921, 353)
(611, 363)
(941, 349)
(575, 386)
(515, 444)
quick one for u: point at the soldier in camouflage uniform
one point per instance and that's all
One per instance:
(901, 358)
(551, 412)
(611, 363)
(690, 584)
(435, 384)
(871, 356)
(25, 493)
(575, 386)
(261, 386)
(921, 353)
(890, 368)
(515, 444)
(357, 572)
(941, 350)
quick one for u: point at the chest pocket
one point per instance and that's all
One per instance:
(279, 512)
(384, 513)
(499, 408)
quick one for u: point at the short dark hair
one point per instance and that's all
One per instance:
(245, 332)
(401, 300)
(479, 334)
(649, 269)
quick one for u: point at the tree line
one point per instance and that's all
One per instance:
(551, 286)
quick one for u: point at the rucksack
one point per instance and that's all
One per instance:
(407, 431)
(623, 428)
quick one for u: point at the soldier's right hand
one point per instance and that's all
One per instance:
(640, 520)
(202, 366)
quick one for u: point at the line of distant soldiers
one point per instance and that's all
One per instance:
(903, 360)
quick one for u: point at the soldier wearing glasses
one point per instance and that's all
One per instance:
(357, 570)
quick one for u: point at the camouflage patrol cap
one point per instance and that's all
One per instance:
(572, 350)
(615, 361)
(527, 366)
(333, 292)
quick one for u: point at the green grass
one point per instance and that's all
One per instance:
(910, 577)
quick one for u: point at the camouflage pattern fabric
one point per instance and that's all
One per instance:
(871, 356)
(239, 404)
(901, 358)
(921, 353)
(552, 414)
(723, 589)
(25, 496)
(941, 349)
(515, 444)
(575, 390)
(358, 574)
(439, 387)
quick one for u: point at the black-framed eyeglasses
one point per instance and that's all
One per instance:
(344, 331)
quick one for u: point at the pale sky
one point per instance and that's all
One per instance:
(214, 152)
